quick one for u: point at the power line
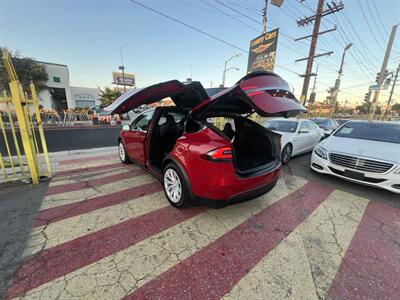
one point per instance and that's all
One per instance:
(232, 17)
(200, 31)
(369, 26)
(189, 26)
(376, 24)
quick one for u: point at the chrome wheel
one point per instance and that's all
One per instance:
(172, 185)
(121, 149)
(286, 154)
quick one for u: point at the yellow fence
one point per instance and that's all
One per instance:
(21, 124)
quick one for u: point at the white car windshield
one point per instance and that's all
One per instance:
(284, 126)
(382, 132)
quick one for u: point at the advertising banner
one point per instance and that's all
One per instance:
(262, 52)
(128, 78)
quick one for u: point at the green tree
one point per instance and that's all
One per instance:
(107, 95)
(27, 69)
(396, 107)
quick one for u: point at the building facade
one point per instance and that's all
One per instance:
(60, 95)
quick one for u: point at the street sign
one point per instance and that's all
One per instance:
(374, 87)
(262, 52)
(123, 79)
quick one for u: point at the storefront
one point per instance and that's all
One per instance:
(85, 97)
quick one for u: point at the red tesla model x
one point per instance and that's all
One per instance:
(193, 158)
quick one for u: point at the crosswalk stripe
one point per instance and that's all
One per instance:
(58, 213)
(89, 175)
(213, 270)
(79, 171)
(85, 165)
(45, 237)
(371, 266)
(75, 254)
(81, 185)
(86, 159)
(304, 264)
(131, 268)
(59, 202)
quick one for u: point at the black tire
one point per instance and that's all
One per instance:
(286, 153)
(184, 200)
(123, 156)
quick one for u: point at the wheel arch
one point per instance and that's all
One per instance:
(169, 159)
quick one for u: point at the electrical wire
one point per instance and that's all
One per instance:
(369, 26)
(200, 31)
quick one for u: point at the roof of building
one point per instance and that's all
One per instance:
(50, 63)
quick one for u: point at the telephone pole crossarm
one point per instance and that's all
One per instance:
(318, 55)
(331, 9)
(311, 35)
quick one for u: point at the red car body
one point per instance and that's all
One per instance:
(201, 162)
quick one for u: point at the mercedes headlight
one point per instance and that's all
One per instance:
(321, 152)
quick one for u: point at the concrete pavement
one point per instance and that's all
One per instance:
(104, 230)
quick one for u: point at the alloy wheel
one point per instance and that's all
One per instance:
(172, 185)
(121, 151)
(286, 154)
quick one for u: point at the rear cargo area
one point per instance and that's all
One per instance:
(254, 146)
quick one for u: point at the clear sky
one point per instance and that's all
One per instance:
(87, 35)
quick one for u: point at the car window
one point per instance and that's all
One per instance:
(177, 116)
(374, 131)
(284, 126)
(311, 125)
(303, 126)
(142, 122)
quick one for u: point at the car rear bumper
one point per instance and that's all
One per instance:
(387, 181)
(238, 198)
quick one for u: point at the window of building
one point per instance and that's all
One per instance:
(56, 79)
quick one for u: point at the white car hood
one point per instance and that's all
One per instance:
(358, 147)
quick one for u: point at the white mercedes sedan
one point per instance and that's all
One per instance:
(364, 152)
(297, 136)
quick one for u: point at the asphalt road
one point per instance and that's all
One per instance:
(72, 138)
(300, 166)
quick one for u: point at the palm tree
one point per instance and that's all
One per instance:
(107, 95)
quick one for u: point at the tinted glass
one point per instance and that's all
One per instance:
(142, 122)
(383, 132)
(285, 126)
(325, 122)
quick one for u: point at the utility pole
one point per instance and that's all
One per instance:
(391, 93)
(313, 95)
(335, 91)
(382, 73)
(321, 12)
(264, 17)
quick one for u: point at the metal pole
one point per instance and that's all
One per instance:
(264, 17)
(335, 91)
(122, 64)
(391, 94)
(224, 74)
(382, 74)
(311, 54)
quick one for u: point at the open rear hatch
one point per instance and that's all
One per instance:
(255, 148)
(184, 95)
(262, 92)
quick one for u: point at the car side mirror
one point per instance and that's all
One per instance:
(126, 128)
(304, 130)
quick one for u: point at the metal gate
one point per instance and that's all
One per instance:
(21, 124)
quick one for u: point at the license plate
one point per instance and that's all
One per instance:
(354, 174)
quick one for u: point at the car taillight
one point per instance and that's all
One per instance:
(223, 154)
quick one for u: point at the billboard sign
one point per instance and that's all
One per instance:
(123, 79)
(262, 52)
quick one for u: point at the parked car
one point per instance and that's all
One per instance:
(363, 152)
(327, 125)
(340, 122)
(194, 159)
(297, 136)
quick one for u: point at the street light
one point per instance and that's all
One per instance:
(335, 90)
(225, 69)
(122, 67)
